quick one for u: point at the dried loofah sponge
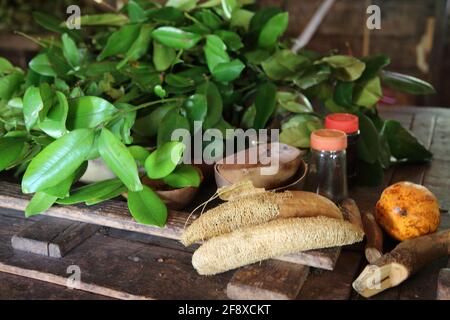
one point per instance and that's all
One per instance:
(255, 209)
(232, 215)
(272, 239)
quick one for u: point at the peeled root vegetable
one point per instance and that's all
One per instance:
(276, 238)
(256, 209)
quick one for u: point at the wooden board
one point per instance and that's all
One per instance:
(113, 267)
(52, 237)
(21, 288)
(115, 214)
(268, 280)
(443, 289)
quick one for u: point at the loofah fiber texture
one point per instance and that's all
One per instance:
(229, 216)
(272, 239)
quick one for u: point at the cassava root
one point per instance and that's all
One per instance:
(398, 265)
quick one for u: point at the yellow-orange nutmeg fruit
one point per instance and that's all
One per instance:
(407, 210)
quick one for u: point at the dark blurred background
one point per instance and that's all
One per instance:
(414, 33)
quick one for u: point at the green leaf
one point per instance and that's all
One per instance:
(196, 107)
(311, 78)
(163, 57)
(119, 42)
(32, 105)
(10, 84)
(231, 39)
(406, 83)
(135, 12)
(228, 7)
(89, 112)
(148, 126)
(343, 94)
(299, 103)
(171, 122)
(105, 19)
(160, 92)
(147, 208)
(265, 103)
(226, 72)
(41, 64)
(140, 154)
(40, 203)
(215, 104)
(5, 66)
(185, 5)
(184, 176)
(119, 160)
(113, 194)
(241, 18)
(369, 93)
(57, 161)
(347, 68)
(261, 17)
(70, 50)
(164, 160)
(215, 52)
(176, 38)
(273, 29)
(54, 123)
(368, 142)
(139, 47)
(11, 149)
(297, 130)
(92, 191)
(62, 189)
(404, 146)
(374, 65)
(284, 64)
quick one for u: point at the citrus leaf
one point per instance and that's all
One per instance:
(164, 160)
(147, 208)
(273, 29)
(57, 161)
(176, 38)
(119, 160)
(40, 203)
(89, 112)
(92, 191)
(184, 176)
(32, 105)
(265, 103)
(54, 123)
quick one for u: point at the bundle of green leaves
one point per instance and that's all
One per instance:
(126, 80)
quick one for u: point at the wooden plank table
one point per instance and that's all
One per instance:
(128, 265)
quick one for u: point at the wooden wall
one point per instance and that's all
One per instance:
(403, 27)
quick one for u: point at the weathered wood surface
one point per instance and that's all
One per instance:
(268, 280)
(113, 266)
(52, 237)
(443, 290)
(115, 214)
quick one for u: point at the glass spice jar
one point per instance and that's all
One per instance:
(327, 174)
(348, 123)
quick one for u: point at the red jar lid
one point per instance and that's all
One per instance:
(346, 122)
(328, 140)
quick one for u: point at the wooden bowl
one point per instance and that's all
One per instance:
(291, 173)
(175, 199)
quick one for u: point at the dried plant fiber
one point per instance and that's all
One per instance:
(272, 239)
(256, 209)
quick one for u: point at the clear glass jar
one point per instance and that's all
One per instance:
(327, 174)
(348, 123)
